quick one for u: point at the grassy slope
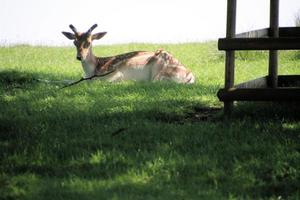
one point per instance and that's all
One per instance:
(58, 144)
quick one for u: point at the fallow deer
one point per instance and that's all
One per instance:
(137, 65)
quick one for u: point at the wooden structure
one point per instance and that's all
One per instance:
(268, 88)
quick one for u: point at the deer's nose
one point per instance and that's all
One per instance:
(78, 58)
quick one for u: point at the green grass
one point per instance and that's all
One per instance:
(98, 140)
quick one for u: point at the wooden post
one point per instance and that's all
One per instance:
(273, 54)
(230, 60)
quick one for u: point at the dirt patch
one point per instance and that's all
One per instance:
(197, 115)
(204, 114)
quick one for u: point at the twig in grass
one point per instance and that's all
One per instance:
(117, 132)
(88, 78)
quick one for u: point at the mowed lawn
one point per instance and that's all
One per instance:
(138, 140)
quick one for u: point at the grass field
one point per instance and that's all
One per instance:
(129, 140)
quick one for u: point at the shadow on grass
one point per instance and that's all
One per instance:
(10, 79)
(169, 147)
(277, 111)
(16, 79)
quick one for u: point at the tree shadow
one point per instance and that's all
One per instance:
(181, 145)
(16, 79)
(276, 111)
(34, 119)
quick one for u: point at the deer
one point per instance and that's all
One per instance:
(136, 65)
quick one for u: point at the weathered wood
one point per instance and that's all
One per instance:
(289, 81)
(231, 19)
(262, 82)
(289, 32)
(256, 90)
(256, 83)
(265, 32)
(229, 44)
(229, 69)
(259, 94)
(254, 34)
(284, 87)
(274, 33)
(230, 60)
(230, 33)
(273, 69)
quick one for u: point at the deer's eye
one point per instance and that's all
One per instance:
(86, 44)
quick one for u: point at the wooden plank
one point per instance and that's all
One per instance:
(262, 82)
(229, 69)
(291, 78)
(230, 55)
(273, 69)
(289, 81)
(229, 44)
(259, 94)
(289, 32)
(274, 33)
(231, 19)
(264, 33)
(254, 34)
(274, 18)
(256, 83)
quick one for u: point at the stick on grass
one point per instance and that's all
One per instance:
(88, 78)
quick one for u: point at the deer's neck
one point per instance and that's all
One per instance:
(89, 64)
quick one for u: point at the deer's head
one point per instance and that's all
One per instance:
(83, 41)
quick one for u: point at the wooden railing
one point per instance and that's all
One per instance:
(268, 88)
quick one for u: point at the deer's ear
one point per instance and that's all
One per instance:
(98, 36)
(70, 36)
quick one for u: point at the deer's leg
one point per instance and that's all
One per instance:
(177, 74)
(115, 77)
(161, 77)
(167, 74)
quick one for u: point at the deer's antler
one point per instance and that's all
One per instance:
(73, 29)
(91, 29)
